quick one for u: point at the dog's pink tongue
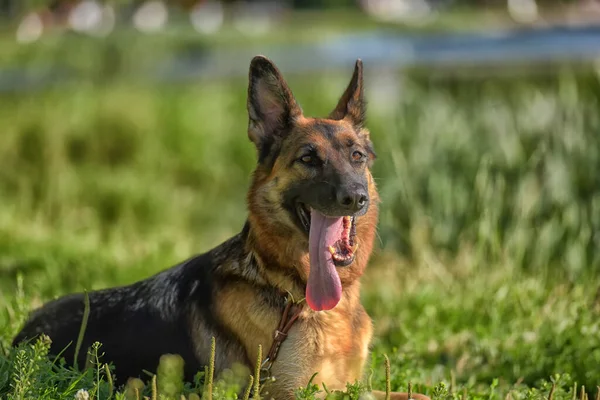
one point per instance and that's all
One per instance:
(324, 289)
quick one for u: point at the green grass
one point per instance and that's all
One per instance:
(485, 279)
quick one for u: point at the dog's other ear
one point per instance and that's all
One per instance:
(271, 104)
(352, 104)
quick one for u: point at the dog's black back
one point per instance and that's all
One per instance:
(136, 324)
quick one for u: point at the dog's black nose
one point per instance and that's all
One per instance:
(353, 200)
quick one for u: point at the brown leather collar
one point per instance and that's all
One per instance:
(291, 312)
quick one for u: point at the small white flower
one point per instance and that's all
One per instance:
(82, 394)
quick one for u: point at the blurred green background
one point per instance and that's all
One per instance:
(487, 259)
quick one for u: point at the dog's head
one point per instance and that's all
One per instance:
(313, 201)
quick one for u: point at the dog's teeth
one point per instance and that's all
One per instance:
(332, 250)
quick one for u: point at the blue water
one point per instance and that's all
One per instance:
(391, 50)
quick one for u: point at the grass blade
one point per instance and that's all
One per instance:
(84, 321)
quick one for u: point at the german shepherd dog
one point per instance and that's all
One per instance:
(313, 210)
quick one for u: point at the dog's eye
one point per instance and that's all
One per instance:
(357, 156)
(307, 159)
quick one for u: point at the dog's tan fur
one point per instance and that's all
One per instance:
(333, 343)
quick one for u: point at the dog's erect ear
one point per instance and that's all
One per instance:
(352, 104)
(271, 104)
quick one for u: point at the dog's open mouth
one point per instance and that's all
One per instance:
(331, 243)
(342, 251)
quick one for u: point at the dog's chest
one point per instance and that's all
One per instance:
(332, 344)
